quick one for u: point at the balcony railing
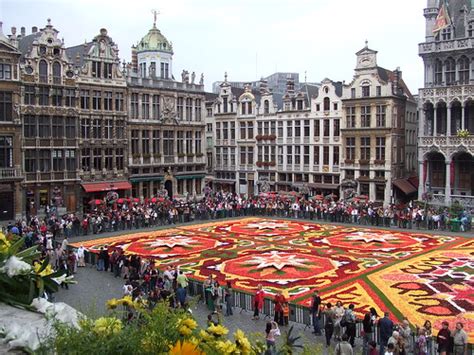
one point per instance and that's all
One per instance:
(445, 141)
(9, 173)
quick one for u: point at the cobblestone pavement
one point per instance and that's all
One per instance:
(94, 288)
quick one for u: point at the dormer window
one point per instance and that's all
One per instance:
(225, 104)
(96, 72)
(365, 90)
(42, 50)
(299, 104)
(470, 31)
(266, 107)
(56, 51)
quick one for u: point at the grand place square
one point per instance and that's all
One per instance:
(165, 189)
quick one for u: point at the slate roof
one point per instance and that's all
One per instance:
(25, 43)
(81, 50)
(389, 76)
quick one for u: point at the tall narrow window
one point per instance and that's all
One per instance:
(6, 152)
(380, 116)
(198, 108)
(335, 156)
(156, 107)
(266, 107)
(85, 99)
(108, 101)
(438, 79)
(450, 70)
(56, 73)
(337, 127)
(96, 100)
(365, 116)
(198, 143)
(463, 64)
(350, 117)
(326, 127)
(189, 109)
(366, 91)
(6, 106)
(180, 108)
(119, 101)
(43, 96)
(30, 95)
(134, 105)
(325, 155)
(43, 71)
(326, 104)
(350, 148)
(145, 106)
(156, 142)
(380, 148)
(365, 148)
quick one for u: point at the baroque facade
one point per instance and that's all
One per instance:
(379, 115)
(166, 126)
(101, 102)
(446, 106)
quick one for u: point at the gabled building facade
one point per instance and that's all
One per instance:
(377, 107)
(101, 102)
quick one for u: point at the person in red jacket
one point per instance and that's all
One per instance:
(279, 301)
(258, 301)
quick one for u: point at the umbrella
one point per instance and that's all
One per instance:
(154, 199)
(96, 202)
(136, 200)
(318, 197)
(120, 201)
(363, 197)
(15, 230)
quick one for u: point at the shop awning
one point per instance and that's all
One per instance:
(223, 182)
(106, 186)
(323, 186)
(405, 186)
(188, 177)
(146, 178)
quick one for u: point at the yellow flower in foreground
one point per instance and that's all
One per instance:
(217, 330)
(183, 330)
(48, 270)
(4, 243)
(242, 342)
(107, 326)
(226, 347)
(185, 348)
(112, 303)
(205, 336)
(126, 301)
(189, 322)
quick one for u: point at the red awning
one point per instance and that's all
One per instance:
(106, 186)
(405, 186)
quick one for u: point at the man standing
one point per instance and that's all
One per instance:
(386, 330)
(350, 320)
(460, 340)
(315, 312)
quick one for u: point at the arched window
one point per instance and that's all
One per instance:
(326, 104)
(266, 107)
(463, 64)
(438, 77)
(450, 70)
(43, 71)
(56, 73)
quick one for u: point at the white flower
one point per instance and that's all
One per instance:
(15, 266)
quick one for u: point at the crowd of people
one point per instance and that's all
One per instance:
(109, 216)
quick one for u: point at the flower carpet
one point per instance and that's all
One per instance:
(415, 275)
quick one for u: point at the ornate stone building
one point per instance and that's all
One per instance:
(446, 105)
(10, 129)
(267, 142)
(49, 117)
(101, 102)
(166, 127)
(378, 111)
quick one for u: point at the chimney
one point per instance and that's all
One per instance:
(23, 32)
(34, 29)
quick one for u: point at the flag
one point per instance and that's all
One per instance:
(442, 20)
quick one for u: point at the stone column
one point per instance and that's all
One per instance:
(435, 123)
(448, 119)
(194, 188)
(447, 190)
(421, 181)
(421, 125)
(140, 189)
(463, 108)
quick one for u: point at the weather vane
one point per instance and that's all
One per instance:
(155, 14)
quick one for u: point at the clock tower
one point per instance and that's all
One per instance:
(366, 58)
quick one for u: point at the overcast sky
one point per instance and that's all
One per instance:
(247, 38)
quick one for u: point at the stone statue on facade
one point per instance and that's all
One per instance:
(193, 77)
(201, 81)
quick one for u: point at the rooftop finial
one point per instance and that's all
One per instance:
(155, 15)
(49, 21)
(366, 44)
(225, 76)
